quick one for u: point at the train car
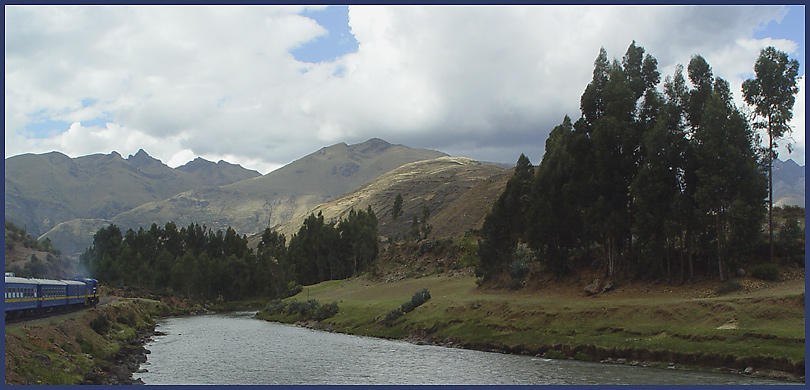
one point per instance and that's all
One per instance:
(53, 293)
(76, 292)
(33, 296)
(21, 295)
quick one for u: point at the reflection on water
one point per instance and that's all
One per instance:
(237, 349)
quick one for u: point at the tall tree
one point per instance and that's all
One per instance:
(772, 93)
(505, 224)
(730, 185)
(396, 210)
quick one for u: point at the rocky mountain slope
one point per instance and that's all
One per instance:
(43, 190)
(249, 206)
(788, 183)
(457, 190)
(26, 257)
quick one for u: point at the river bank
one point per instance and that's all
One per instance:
(758, 332)
(95, 346)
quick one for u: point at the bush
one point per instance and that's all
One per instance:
(582, 357)
(552, 354)
(729, 286)
(100, 324)
(275, 306)
(766, 271)
(417, 300)
(325, 311)
(393, 315)
(518, 269)
(310, 309)
(293, 288)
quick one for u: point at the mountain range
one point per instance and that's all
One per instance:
(43, 190)
(68, 199)
(218, 198)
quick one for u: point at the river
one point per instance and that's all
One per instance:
(236, 349)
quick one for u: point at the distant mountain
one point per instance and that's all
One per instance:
(788, 183)
(457, 190)
(43, 190)
(249, 206)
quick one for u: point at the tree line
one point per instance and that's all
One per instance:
(197, 262)
(648, 182)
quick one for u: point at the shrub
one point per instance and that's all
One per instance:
(766, 271)
(729, 286)
(310, 309)
(552, 354)
(293, 289)
(582, 357)
(325, 311)
(518, 269)
(128, 319)
(275, 306)
(100, 324)
(418, 299)
(393, 315)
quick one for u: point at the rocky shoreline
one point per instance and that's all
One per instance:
(761, 367)
(127, 362)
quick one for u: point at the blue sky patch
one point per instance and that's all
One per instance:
(47, 128)
(791, 27)
(336, 43)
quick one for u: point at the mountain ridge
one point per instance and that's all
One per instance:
(43, 190)
(251, 205)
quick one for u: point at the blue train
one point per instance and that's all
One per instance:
(33, 296)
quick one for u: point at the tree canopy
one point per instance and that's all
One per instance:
(648, 182)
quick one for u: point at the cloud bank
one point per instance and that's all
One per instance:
(487, 82)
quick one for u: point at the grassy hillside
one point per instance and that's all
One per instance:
(441, 184)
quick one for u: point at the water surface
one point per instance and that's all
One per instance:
(233, 349)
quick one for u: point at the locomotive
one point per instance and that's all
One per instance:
(26, 296)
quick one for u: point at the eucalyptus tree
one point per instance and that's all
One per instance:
(773, 94)
(560, 192)
(619, 107)
(505, 224)
(396, 210)
(730, 187)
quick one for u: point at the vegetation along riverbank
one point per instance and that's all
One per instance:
(758, 330)
(96, 346)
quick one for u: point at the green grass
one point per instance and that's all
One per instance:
(459, 311)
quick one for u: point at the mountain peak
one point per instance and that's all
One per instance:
(197, 164)
(141, 158)
(374, 145)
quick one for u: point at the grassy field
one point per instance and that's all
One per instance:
(761, 330)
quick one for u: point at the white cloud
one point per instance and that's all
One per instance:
(483, 81)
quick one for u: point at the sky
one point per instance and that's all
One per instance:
(262, 86)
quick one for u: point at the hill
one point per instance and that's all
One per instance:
(27, 257)
(249, 206)
(457, 190)
(43, 190)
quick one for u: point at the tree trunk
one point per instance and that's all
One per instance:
(770, 187)
(719, 245)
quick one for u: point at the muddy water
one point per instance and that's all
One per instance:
(237, 349)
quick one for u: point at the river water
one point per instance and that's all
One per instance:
(236, 349)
